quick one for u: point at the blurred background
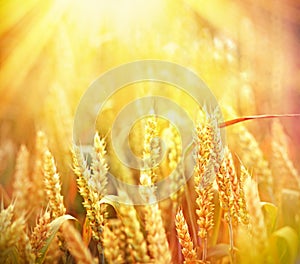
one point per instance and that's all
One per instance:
(248, 53)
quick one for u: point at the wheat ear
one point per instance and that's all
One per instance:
(90, 198)
(75, 245)
(114, 241)
(12, 231)
(40, 233)
(156, 236)
(136, 243)
(283, 168)
(151, 149)
(256, 223)
(53, 186)
(253, 158)
(112, 252)
(188, 249)
(204, 172)
(22, 182)
(39, 198)
(174, 163)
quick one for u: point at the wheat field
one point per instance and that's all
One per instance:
(237, 188)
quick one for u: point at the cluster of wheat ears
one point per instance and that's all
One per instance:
(217, 216)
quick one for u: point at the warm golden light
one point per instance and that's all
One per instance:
(198, 192)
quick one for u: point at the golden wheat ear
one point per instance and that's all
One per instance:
(246, 118)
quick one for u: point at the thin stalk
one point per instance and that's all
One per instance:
(230, 233)
(231, 242)
(204, 250)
